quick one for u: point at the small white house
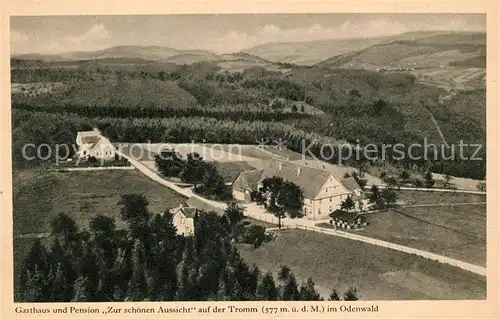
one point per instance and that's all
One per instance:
(93, 144)
(183, 219)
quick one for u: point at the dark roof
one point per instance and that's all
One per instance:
(350, 183)
(247, 180)
(189, 212)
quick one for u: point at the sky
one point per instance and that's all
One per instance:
(219, 33)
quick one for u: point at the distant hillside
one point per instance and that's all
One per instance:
(118, 52)
(142, 56)
(309, 53)
(312, 52)
(190, 58)
(414, 50)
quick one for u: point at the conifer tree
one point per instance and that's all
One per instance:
(289, 291)
(61, 274)
(164, 285)
(82, 291)
(185, 272)
(33, 285)
(267, 288)
(351, 294)
(334, 296)
(307, 291)
(138, 288)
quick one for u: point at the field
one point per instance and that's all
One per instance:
(211, 153)
(424, 197)
(455, 231)
(246, 150)
(452, 77)
(40, 195)
(377, 272)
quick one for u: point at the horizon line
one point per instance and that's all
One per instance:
(13, 54)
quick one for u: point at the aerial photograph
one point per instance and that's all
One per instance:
(249, 157)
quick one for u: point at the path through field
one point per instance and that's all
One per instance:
(436, 124)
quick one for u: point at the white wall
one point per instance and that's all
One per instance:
(238, 195)
(185, 226)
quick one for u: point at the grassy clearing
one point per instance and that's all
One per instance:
(455, 231)
(40, 195)
(286, 153)
(423, 197)
(378, 273)
(244, 150)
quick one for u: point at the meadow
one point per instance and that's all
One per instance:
(457, 232)
(40, 195)
(378, 273)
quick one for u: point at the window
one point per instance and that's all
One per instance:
(330, 199)
(183, 220)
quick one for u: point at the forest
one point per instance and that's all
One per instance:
(168, 103)
(148, 261)
(60, 128)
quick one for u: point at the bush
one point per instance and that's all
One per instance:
(254, 235)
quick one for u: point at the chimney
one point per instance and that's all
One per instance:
(299, 169)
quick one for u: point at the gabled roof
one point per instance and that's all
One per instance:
(102, 141)
(189, 212)
(350, 183)
(247, 180)
(310, 180)
(338, 171)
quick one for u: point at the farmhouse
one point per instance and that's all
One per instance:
(183, 219)
(93, 144)
(323, 191)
